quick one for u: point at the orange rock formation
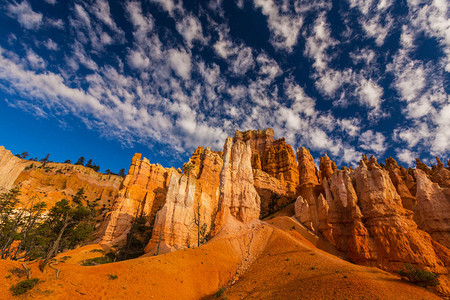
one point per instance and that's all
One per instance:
(56, 181)
(190, 206)
(238, 197)
(143, 192)
(274, 166)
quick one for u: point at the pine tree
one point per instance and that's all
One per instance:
(80, 161)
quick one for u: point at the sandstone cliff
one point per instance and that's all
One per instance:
(363, 216)
(238, 200)
(10, 168)
(62, 181)
(432, 212)
(274, 167)
(143, 192)
(403, 181)
(55, 181)
(191, 203)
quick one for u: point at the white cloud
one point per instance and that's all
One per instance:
(351, 127)
(375, 18)
(441, 143)
(191, 30)
(25, 15)
(370, 94)
(432, 19)
(319, 42)
(243, 61)
(351, 155)
(406, 156)
(284, 26)
(170, 6)
(52, 2)
(51, 45)
(268, 66)
(373, 141)
(180, 61)
(35, 61)
(142, 24)
(138, 60)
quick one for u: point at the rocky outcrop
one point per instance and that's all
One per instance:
(432, 212)
(191, 203)
(238, 198)
(403, 181)
(175, 226)
(327, 167)
(53, 182)
(57, 181)
(307, 170)
(341, 221)
(309, 188)
(367, 221)
(143, 192)
(440, 174)
(10, 168)
(274, 166)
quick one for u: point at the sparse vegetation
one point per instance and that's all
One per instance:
(26, 233)
(419, 276)
(80, 161)
(219, 292)
(188, 167)
(97, 251)
(202, 235)
(19, 272)
(24, 286)
(112, 277)
(108, 258)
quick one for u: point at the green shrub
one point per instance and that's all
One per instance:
(419, 276)
(97, 251)
(219, 292)
(97, 260)
(19, 272)
(24, 286)
(112, 277)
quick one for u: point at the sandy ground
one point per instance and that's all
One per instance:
(292, 268)
(262, 261)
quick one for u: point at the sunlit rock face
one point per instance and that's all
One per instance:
(308, 188)
(367, 220)
(432, 212)
(274, 167)
(53, 182)
(191, 204)
(403, 181)
(238, 197)
(143, 192)
(10, 168)
(327, 167)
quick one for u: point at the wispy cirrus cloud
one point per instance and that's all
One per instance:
(181, 75)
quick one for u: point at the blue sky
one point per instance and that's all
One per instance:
(105, 79)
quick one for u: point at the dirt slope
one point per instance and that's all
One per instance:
(290, 267)
(285, 266)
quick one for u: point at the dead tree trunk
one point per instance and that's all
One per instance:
(55, 244)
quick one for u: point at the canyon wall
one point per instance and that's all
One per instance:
(238, 199)
(143, 193)
(275, 171)
(53, 182)
(362, 213)
(191, 203)
(10, 168)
